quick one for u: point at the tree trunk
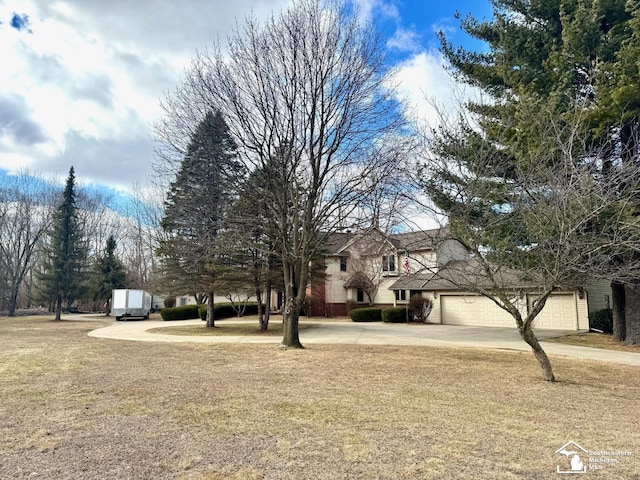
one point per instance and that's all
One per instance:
(618, 299)
(632, 314)
(267, 306)
(58, 308)
(290, 318)
(528, 336)
(13, 301)
(261, 316)
(211, 322)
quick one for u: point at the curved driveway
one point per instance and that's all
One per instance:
(328, 332)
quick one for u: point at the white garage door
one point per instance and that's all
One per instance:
(559, 313)
(473, 310)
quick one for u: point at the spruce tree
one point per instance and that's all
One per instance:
(109, 273)
(195, 208)
(62, 275)
(564, 56)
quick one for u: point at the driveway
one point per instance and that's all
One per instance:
(327, 332)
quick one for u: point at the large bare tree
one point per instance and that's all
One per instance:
(26, 205)
(307, 98)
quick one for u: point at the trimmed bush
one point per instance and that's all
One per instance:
(366, 314)
(226, 310)
(602, 320)
(394, 315)
(184, 312)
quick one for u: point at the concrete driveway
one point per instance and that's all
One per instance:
(327, 332)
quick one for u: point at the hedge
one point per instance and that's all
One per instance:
(602, 320)
(366, 314)
(226, 310)
(184, 312)
(394, 315)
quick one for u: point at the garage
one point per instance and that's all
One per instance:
(473, 310)
(559, 312)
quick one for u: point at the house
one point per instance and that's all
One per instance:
(361, 267)
(371, 268)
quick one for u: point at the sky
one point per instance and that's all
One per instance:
(81, 80)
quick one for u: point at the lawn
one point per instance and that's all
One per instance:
(595, 340)
(76, 407)
(225, 328)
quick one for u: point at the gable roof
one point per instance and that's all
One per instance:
(339, 242)
(420, 240)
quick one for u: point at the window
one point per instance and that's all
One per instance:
(343, 264)
(401, 294)
(360, 296)
(388, 263)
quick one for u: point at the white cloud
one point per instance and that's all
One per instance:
(370, 9)
(424, 83)
(404, 40)
(84, 79)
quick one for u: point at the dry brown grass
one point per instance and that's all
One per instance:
(595, 340)
(73, 407)
(225, 329)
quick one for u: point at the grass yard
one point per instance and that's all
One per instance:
(595, 340)
(223, 328)
(76, 407)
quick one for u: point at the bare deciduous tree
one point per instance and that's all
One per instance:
(26, 204)
(307, 99)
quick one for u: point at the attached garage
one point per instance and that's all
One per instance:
(559, 312)
(453, 305)
(473, 310)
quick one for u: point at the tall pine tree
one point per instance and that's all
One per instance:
(109, 273)
(195, 208)
(566, 55)
(62, 275)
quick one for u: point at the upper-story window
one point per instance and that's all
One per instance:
(343, 264)
(388, 263)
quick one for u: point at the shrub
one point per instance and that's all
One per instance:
(394, 315)
(169, 302)
(366, 314)
(184, 312)
(602, 320)
(419, 307)
(227, 310)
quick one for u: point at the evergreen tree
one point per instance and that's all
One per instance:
(195, 208)
(109, 273)
(564, 56)
(62, 274)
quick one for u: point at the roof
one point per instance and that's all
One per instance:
(412, 241)
(420, 240)
(466, 275)
(336, 241)
(358, 280)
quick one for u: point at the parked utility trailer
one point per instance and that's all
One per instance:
(127, 303)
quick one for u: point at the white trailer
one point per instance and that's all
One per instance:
(127, 303)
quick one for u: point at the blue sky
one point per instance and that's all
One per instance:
(81, 80)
